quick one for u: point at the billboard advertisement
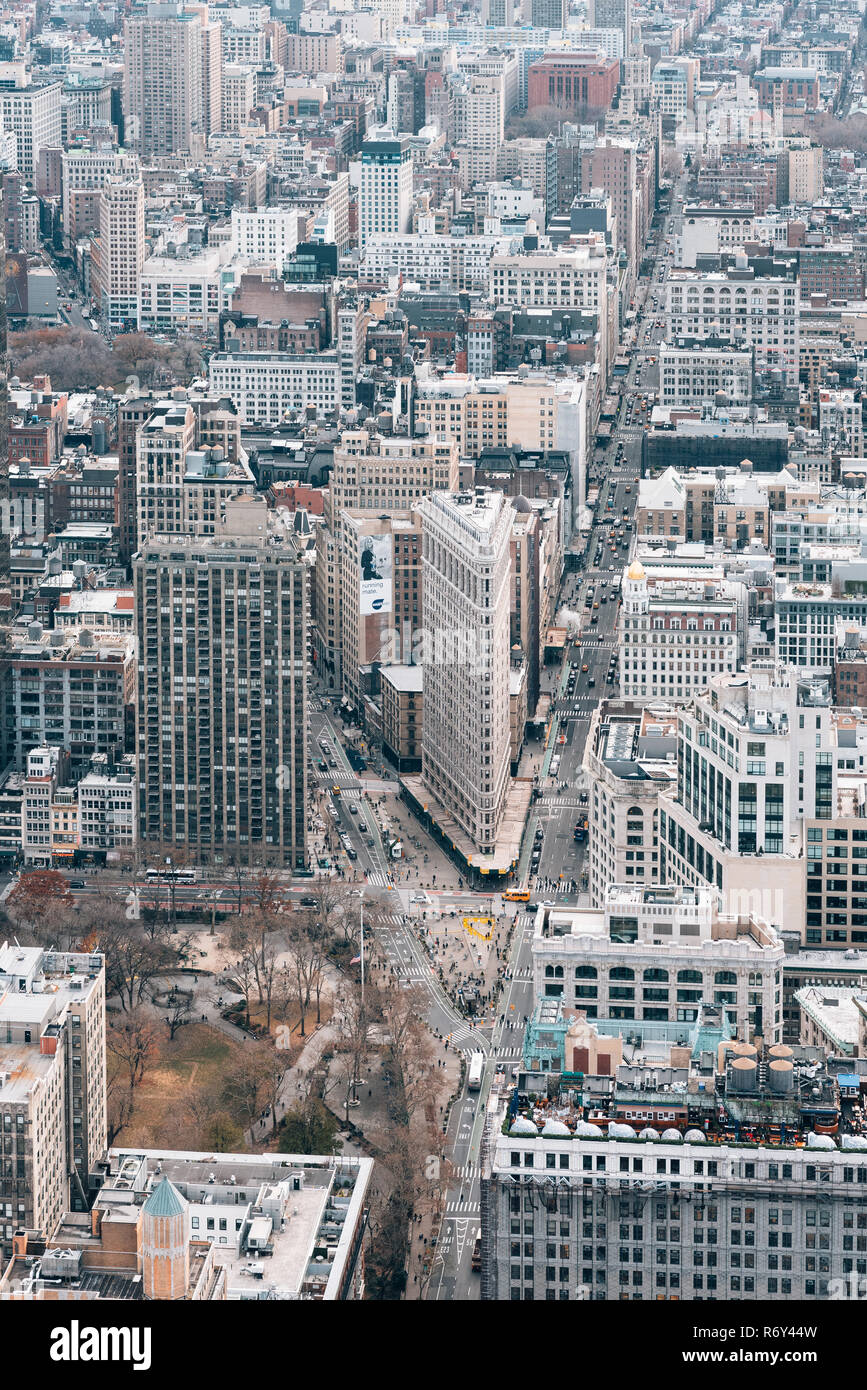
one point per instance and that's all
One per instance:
(376, 575)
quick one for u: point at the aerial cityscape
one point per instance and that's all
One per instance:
(433, 656)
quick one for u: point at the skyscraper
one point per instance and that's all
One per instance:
(8, 733)
(167, 106)
(222, 693)
(52, 1084)
(611, 14)
(465, 568)
(120, 251)
(385, 199)
(549, 14)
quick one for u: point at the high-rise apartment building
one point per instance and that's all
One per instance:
(477, 120)
(165, 99)
(755, 763)
(611, 14)
(385, 195)
(120, 252)
(84, 173)
(52, 1084)
(465, 742)
(549, 14)
(222, 695)
(30, 112)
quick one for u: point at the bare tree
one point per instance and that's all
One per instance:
(248, 1080)
(119, 1097)
(132, 1038)
(179, 1011)
(131, 962)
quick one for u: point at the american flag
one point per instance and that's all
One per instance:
(356, 960)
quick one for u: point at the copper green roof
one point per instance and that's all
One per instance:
(165, 1200)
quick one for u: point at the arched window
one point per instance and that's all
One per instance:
(658, 977)
(585, 972)
(621, 972)
(689, 977)
(725, 977)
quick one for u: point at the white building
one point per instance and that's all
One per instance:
(572, 278)
(265, 236)
(107, 798)
(676, 636)
(466, 734)
(268, 386)
(121, 251)
(477, 120)
(658, 954)
(672, 86)
(840, 412)
(807, 615)
(693, 376)
(740, 308)
(755, 760)
(186, 292)
(432, 260)
(239, 95)
(629, 758)
(385, 194)
(32, 114)
(707, 230)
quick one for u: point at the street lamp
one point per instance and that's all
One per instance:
(359, 893)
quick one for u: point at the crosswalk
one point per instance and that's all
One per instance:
(467, 1171)
(378, 878)
(464, 1034)
(457, 1207)
(391, 919)
(561, 803)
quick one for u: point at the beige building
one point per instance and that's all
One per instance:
(239, 96)
(387, 634)
(629, 758)
(120, 251)
(52, 1084)
(84, 172)
(533, 412)
(185, 468)
(466, 738)
(731, 505)
(376, 474)
(165, 94)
